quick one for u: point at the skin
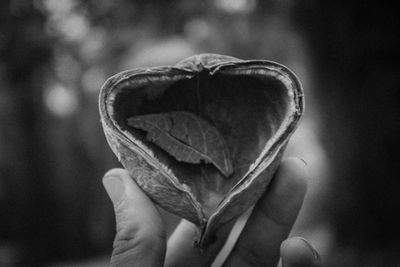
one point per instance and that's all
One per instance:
(141, 239)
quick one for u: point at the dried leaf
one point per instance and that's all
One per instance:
(186, 137)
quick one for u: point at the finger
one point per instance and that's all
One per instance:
(297, 252)
(272, 218)
(140, 238)
(180, 249)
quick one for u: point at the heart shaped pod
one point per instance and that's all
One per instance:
(254, 105)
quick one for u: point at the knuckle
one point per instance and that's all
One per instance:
(132, 241)
(250, 256)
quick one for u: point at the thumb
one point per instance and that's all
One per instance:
(140, 238)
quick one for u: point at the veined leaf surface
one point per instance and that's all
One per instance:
(186, 137)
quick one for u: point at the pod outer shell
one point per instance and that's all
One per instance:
(158, 184)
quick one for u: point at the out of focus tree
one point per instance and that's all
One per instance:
(355, 50)
(25, 53)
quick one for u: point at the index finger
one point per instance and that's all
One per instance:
(272, 218)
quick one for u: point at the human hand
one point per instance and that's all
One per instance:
(141, 238)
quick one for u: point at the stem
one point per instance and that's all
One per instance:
(232, 238)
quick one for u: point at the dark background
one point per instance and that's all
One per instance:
(55, 55)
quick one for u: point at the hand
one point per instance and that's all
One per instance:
(141, 238)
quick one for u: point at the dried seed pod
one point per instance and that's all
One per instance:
(204, 137)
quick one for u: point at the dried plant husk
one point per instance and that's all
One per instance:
(255, 106)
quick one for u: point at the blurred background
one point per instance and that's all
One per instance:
(56, 54)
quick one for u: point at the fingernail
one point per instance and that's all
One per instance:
(314, 252)
(305, 162)
(114, 187)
